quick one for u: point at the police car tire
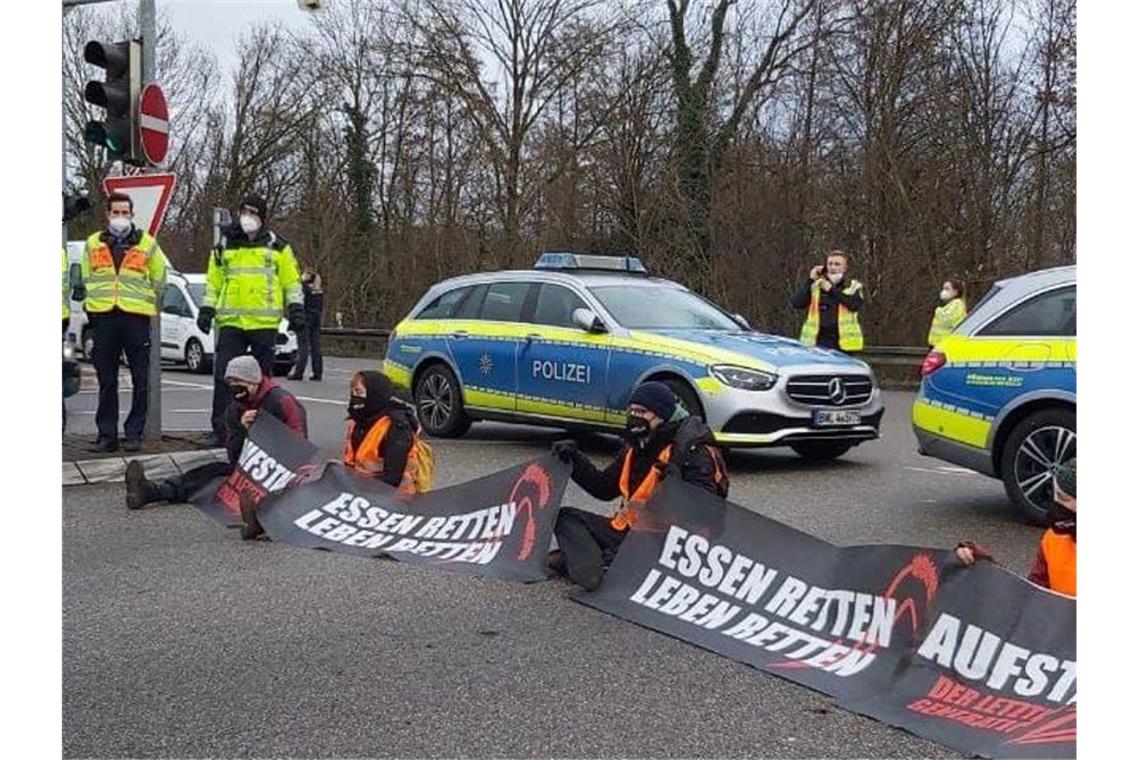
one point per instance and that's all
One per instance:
(686, 396)
(1054, 417)
(821, 451)
(457, 422)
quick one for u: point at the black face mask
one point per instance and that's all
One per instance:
(357, 406)
(240, 393)
(636, 428)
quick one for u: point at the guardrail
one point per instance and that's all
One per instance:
(903, 356)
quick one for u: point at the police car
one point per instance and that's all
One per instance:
(564, 344)
(999, 395)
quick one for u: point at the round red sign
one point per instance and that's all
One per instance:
(154, 123)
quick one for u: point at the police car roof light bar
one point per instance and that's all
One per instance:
(564, 260)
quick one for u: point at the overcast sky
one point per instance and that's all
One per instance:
(218, 23)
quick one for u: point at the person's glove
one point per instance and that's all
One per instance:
(79, 292)
(206, 318)
(296, 317)
(565, 450)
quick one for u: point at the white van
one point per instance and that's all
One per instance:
(183, 342)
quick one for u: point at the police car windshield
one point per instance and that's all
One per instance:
(197, 291)
(641, 308)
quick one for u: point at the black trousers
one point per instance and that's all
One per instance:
(309, 341)
(589, 544)
(183, 487)
(116, 333)
(232, 343)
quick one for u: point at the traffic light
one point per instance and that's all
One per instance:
(118, 94)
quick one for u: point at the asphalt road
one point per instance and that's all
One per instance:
(181, 640)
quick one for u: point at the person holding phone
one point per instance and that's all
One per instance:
(833, 302)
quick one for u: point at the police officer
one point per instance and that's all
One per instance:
(950, 312)
(659, 440)
(124, 273)
(251, 283)
(833, 302)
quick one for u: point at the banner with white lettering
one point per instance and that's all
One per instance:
(499, 525)
(975, 658)
(272, 458)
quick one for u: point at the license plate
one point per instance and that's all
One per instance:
(833, 417)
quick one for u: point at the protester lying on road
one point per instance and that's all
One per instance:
(1055, 567)
(661, 439)
(383, 439)
(252, 393)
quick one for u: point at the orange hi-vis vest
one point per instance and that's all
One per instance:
(368, 458)
(1060, 552)
(626, 514)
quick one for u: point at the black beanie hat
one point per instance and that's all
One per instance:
(657, 397)
(257, 203)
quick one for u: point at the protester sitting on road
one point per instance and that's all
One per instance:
(833, 302)
(949, 313)
(383, 439)
(1055, 566)
(252, 392)
(661, 439)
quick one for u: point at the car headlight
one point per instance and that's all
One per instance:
(743, 378)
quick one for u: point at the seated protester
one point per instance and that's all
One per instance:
(1055, 566)
(661, 438)
(383, 438)
(252, 393)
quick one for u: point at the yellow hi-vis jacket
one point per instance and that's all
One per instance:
(134, 287)
(252, 283)
(850, 334)
(946, 318)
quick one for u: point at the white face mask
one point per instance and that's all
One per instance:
(946, 295)
(835, 278)
(249, 224)
(119, 224)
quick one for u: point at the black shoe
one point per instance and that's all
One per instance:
(250, 527)
(140, 491)
(556, 561)
(104, 446)
(294, 377)
(132, 444)
(317, 378)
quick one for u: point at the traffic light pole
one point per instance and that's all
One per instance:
(153, 430)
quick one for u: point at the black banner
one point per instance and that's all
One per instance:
(975, 658)
(272, 458)
(499, 525)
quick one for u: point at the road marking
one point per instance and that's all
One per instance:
(186, 411)
(322, 400)
(181, 384)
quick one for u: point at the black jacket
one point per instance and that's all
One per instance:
(689, 437)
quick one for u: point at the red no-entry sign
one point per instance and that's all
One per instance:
(154, 123)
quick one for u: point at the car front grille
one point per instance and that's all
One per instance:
(830, 390)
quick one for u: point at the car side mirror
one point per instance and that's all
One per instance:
(740, 320)
(588, 321)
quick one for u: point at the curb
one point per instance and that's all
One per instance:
(156, 466)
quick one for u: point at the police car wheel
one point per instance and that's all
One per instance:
(821, 451)
(686, 397)
(439, 403)
(1030, 456)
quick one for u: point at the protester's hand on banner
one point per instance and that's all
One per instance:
(565, 450)
(969, 552)
(965, 555)
(248, 417)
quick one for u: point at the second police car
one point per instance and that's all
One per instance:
(564, 344)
